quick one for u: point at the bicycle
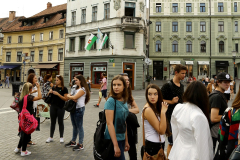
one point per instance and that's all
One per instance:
(43, 111)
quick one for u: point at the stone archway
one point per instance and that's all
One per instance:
(31, 71)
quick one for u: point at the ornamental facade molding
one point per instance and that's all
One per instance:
(221, 37)
(175, 37)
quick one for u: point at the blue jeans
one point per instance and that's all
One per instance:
(121, 145)
(77, 123)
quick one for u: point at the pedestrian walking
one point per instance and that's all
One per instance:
(56, 110)
(190, 126)
(218, 104)
(103, 89)
(7, 81)
(24, 138)
(82, 96)
(89, 82)
(228, 136)
(172, 94)
(132, 122)
(206, 81)
(117, 132)
(232, 84)
(47, 85)
(210, 87)
(155, 121)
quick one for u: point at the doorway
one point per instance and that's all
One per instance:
(129, 69)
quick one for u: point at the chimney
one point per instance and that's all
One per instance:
(11, 16)
(49, 5)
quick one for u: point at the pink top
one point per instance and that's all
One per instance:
(104, 81)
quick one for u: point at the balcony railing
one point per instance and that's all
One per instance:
(130, 20)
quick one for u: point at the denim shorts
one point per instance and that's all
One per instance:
(104, 93)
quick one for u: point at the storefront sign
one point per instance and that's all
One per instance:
(111, 60)
(77, 68)
(128, 60)
(99, 68)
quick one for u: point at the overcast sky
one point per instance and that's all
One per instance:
(27, 8)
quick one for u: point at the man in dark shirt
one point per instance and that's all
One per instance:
(218, 104)
(172, 94)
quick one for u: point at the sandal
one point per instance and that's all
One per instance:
(31, 143)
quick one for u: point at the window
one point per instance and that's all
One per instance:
(94, 13)
(202, 7)
(220, 6)
(236, 26)
(106, 45)
(158, 7)
(32, 56)
(33, 37)
(221, 46)
(236, 47)
(129, 40)
(82, 43)
(202, 26)
(20, 39)
(235, 6)
(174, 26)
(188, 7)
(51, 35)
(72, 44)
(189, 46)
(41, 36)
(220, 26)
(61, 33)
(73, 18)
(19, 56)
(60, 54)
(40, 56)
(158, 46)
(158, 26)
(203, 46)
(8, 57)
(174, 7)
(189, 26)
(9, 39)
(175, 46)
(50, 55)
(83, 16)
(106, 10)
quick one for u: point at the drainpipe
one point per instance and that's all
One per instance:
(210, 40)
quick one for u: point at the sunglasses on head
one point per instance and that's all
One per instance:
(123, 74)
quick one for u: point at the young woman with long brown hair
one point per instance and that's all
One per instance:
(56, 110)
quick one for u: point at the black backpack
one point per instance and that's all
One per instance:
(235, 154)
(103, 148)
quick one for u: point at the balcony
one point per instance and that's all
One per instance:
(132, 23)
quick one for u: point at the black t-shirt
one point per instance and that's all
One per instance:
(29, 104)
(169, 92)
(218, 100)
(56, 100)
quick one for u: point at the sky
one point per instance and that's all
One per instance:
(27, 8)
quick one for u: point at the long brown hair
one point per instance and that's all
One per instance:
(84, 84)
(130, 98)
(158, 108)
(61, 79)
(125, 91)
(30, 78)
(196, 93)
(46, 77)
(236, 102)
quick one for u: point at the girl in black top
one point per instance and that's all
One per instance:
(27, 89)
(56, 110)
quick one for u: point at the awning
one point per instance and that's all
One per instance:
(203, 62)
(189, 62)
(175, 62)
(9, 67)
(222, 63)
(46, 66)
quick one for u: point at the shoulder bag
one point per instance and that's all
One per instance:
(160, 155)
(48, 99)
(70, 106)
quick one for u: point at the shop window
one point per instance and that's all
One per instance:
(189, 46)
(82, 43)
(203, 46)
(202, 26)
(32, 56)
(40, 56)
(202, 7)
(158, 7)
(8, 57)
(175, 7)
(97, 73)
(107, 11)
(188, 7)
(50, 55)
(203, 70)
(60, 54)
(171, 70)
(158, 46)
(20, 39)
(129, 40)
(220, 6)
(221, 46)
(19, 56)
(72, 44)
(175, 46)
(158, 70)
(189, 72)
(158, 26)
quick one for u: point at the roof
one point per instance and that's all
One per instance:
(56, 19)
(5, 24)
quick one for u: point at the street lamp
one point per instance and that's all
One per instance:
(234, 57)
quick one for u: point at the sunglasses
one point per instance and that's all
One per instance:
(123, 74)
(58, 75)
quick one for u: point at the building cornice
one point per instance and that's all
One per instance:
(194, 16)
(31, 47)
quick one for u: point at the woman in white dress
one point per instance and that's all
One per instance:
(190, 126)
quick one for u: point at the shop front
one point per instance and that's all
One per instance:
(221, 66)
(52, 69)
(189, 65)
(13, 71)
(76, 69)
(129, 68)
(97, 68)
(203, 69)
(172, 66)
(158, 70)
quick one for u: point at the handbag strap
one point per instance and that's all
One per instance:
(25, 102)
(144, 127)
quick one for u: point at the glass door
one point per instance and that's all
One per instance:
(129, 69)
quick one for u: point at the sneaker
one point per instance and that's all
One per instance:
(96, 105)
(16, 150)
(49, 140)
(26, 153)
(61, 140)
(78, 147)
(70, 144)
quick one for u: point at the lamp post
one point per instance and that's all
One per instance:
(234, 57)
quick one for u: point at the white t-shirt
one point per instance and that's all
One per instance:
(81, 100)
(213, 88)
(228, 91)
(35, 95)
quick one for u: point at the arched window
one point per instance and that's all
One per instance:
(221, 46)
(203, 46)
(158, 46)
(189, 46)
(175, 46)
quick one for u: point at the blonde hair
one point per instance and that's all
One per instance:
(26, 88)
